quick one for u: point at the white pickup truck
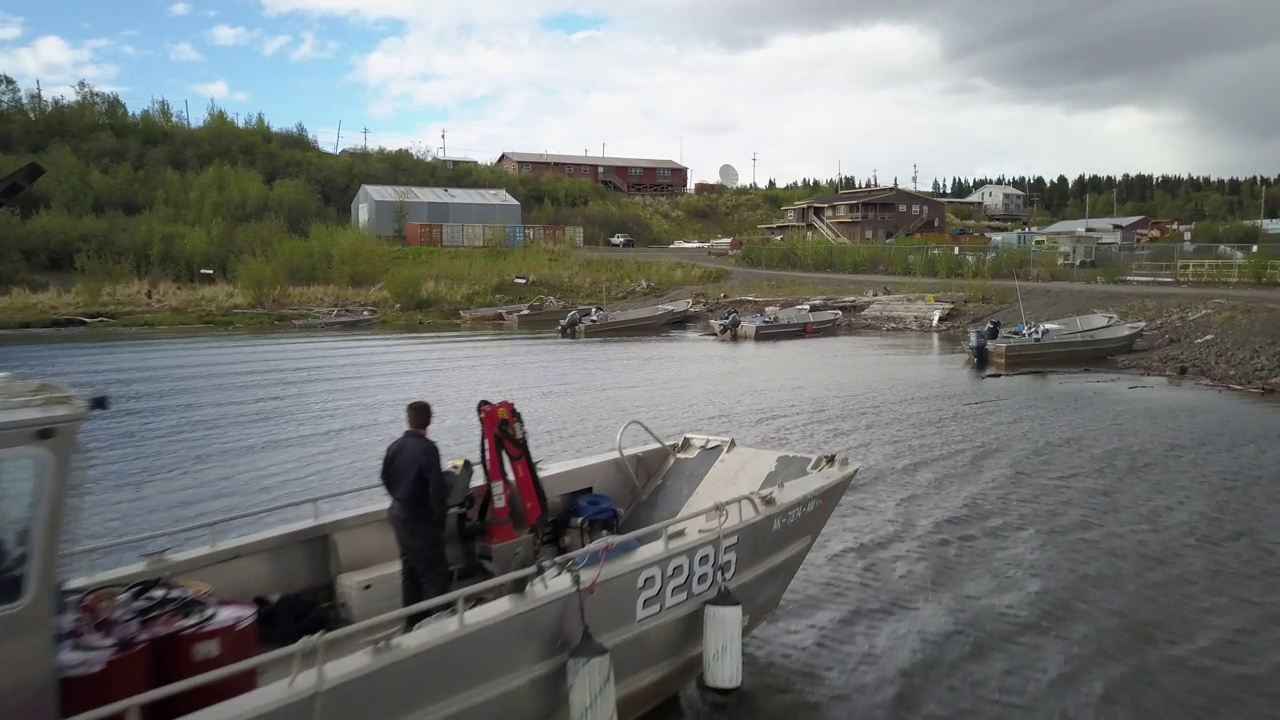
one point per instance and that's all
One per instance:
(621, 240)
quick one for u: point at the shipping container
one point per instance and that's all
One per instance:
(452, 236)
(575, 235)
(473, 235)
(555, 234)
(495, 235)
(534, 235)
(515, 236)
(412, 234)
(432, 234)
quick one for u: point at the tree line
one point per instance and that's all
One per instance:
(1182, 198)
(150, 192)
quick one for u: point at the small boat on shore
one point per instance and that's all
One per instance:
(339, 318)
(1063, 326)
(546, 313)
(602, 322)
(784, 323)
(681, 308)
(304, 618)
(1045, 345)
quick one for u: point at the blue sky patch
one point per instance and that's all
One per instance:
(572, 23)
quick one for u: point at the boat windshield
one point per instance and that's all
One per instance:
(22, 471)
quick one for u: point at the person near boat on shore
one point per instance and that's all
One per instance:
(419, 491)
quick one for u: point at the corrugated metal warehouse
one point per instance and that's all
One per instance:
(375, 207)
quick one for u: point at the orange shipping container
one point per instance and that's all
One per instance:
(555, 233)
(412, 233)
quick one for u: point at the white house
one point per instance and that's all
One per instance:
(1000, 201)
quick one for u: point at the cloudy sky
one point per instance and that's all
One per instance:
(1005, 86)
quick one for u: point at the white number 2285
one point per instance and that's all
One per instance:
(684, 578)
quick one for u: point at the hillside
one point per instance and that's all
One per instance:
(141, 193)
(149, 194)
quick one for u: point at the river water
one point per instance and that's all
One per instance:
(1072, 546)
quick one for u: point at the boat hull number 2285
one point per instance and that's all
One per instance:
(684, 577)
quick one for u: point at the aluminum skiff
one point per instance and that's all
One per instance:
(688, 506)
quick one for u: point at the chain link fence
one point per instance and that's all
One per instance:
(1154, 262)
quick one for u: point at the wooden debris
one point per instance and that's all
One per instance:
(911, 311)
(82, 320)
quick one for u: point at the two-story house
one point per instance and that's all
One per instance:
(1000, 202)
(629, 175)
(876, 214)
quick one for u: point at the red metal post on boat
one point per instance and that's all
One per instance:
(503, 431)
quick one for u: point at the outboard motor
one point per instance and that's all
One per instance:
(978, 345)
(731, 322)
(993, 329)
(569, 326)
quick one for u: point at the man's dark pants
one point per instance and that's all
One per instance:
(424, 568)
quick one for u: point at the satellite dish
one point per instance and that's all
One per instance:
(728, 176)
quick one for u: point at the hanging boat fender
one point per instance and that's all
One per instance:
(592, 695)
(722, 642)
(592, 692)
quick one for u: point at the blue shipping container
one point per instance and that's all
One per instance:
(515, 235)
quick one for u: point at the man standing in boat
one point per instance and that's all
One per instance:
(419, 492)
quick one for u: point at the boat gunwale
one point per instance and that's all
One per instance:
(315, 643)
(549, 469)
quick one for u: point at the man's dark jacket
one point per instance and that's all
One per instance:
(412, 476)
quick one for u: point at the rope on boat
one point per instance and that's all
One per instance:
(302, 647)
(722, 512)
(321, 678)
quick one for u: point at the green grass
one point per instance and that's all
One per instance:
(406, 284)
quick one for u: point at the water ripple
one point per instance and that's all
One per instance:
(1022, 547)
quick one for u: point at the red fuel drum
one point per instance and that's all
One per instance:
(230, 637)
(127, 672)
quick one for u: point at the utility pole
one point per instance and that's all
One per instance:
(444, 148)
(237, 117)
(915, 176)
(601, 149)
(839, 176)
(39, 99)
(875, 179)
(1115, 202)
(365, 133)
(186, 111)
(753, 168)
(339, 138)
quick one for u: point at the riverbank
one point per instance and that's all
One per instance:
(1221, 336)
(1224, 341)
(421, 286)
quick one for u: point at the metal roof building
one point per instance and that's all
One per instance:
(1104, 224)
(382, 209)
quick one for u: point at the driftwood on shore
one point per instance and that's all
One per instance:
(82, 320)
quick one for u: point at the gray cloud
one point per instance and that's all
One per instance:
(1216, 63)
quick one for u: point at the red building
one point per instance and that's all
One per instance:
(628, 175)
